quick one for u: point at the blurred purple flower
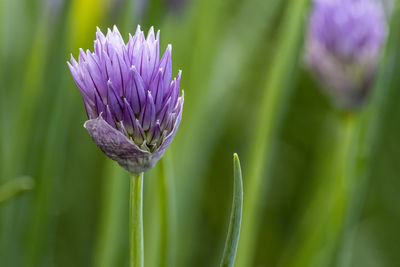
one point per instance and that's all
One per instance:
(343, 45)
(134, 108)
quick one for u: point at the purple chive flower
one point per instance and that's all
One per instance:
(134, 108)
(343, 45)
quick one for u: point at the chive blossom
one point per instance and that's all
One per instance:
(134, 108)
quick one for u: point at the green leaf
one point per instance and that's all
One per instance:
(15, 186)
(232, 240)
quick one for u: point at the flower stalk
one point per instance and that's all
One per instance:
(136, 221)
(316, 238)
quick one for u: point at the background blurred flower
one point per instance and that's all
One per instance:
(133, 107)
(343, 45)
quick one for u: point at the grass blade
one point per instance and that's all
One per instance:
(232, 240)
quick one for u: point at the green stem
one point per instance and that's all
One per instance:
(316, 238)
(136, 220)
(358, 183)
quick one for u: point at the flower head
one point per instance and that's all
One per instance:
(343, 45)
(134, 108)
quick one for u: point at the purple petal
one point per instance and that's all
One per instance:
(114, 102)
(114, 72)
(138, 60)
(138, 133)
(166, 65)
(114, 42)
(101, 108)
(145, 69)
(138, 95)
(148, 114)
(121, 128)
(96, 76)
(154, 134)
(75, 71)
(82, 56)
(175, 90)
(128, 117)
(90, 110)
(167, 141)
(163, 114)
(154, 51)
(110, 118)
(157, 89)
(169, 125)
(124, 72)
(134, 46)
(150, 35)
(100, 37)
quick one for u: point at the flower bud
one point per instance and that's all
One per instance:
(343, 46)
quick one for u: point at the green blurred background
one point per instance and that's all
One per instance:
(243, 74)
